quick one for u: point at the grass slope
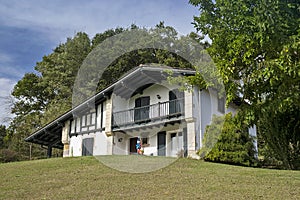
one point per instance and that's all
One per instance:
(87, 178)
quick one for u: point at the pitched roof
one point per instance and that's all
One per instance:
(138, 77)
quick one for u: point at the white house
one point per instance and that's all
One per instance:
(142, 104)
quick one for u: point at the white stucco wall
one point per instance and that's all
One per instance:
(208, 101)
(120, 144)
(209, 106)
(152, 148)
(76, 146)
(100, 143)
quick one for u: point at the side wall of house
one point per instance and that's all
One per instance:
(206, 103)
(209, 106)
(90, 125)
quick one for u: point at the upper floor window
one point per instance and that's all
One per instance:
(73, 126)
(175, 105)
(221, 105)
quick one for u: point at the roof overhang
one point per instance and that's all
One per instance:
(144, 77)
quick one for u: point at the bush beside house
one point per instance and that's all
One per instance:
(227, 141)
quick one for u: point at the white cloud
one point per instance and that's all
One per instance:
(6, 87)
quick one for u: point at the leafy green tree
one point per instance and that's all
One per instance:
(255, 45)
(59, 70)
(227, 141)
(30, 94)
(2, 136)
(44, 96)
(285, 129)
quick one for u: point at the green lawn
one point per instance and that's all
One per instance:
(87, 178)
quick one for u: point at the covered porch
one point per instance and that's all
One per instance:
(163, 139)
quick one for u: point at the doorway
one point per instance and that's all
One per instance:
(161, 143)
(132, 148)
(87, 146)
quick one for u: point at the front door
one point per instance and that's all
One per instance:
(161, 143)
(87, 146)
(132, 148)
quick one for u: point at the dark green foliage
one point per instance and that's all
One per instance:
(256, 47)
(226, 141)
(3, 134)
(283, 144)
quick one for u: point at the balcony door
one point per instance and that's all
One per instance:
(174, 104)
(141, 110)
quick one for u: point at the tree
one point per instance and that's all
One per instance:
(43, 96)
(255, 45)
(2, 136)
(31, 95)
(58, 72)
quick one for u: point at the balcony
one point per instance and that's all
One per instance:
(160, 112)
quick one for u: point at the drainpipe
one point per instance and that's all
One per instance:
(200, 120)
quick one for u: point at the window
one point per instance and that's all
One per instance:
(141, 111)
(144, 141)
(221, 105)
(93, 120)
(73, 126)
(88, 119)
(173, 144)
(99, 116)
(78, 124)
(83, 120)
(174, 98)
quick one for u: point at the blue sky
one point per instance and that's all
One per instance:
(31, 29)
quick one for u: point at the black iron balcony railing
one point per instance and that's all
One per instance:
(160, 111)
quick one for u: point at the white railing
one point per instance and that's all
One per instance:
(145, 114)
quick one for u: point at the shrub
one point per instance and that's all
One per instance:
(227, 141)
(7, 155)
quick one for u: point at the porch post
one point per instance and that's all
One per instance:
(108, 124)
(190, 123)
(65, 138)
(49, 151)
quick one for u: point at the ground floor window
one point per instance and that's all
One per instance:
(144, 141)
(176, 143)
